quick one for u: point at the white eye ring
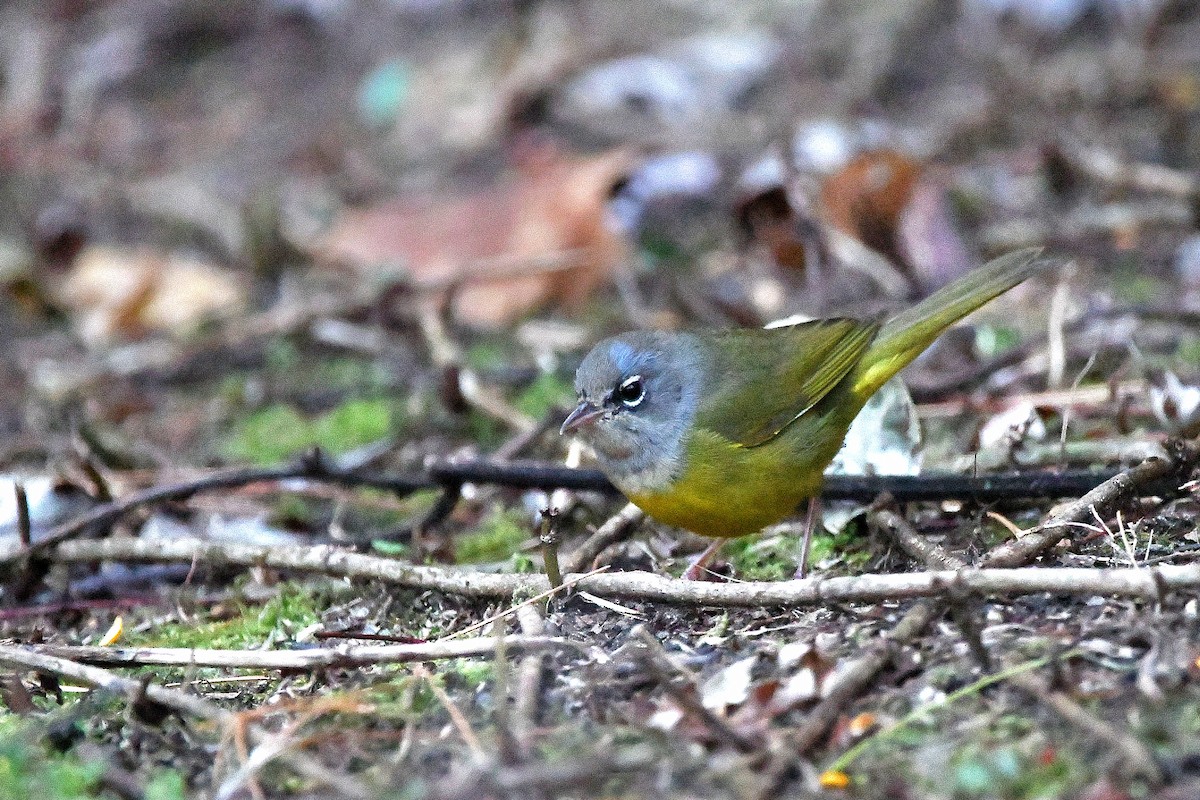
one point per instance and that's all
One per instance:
(631, 392)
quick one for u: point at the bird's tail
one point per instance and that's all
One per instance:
(905, 336)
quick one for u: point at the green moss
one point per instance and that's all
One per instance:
(546, 393)
(498, 536)
(1015, 771)
(1189, 349)
(291, 610)
(1134, 286)
(756, 559)
(166, 785)
(992, 340)
(485, 431)
(352, 424)
(467, 673)
(485, 355)
(28, 770)
(845, 544)
(278, 432)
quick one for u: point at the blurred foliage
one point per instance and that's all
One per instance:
(275, 433)
(30, 771)
(499, 535)
(295, 607)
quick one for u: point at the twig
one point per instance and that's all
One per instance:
(26, 658)
(529, 601)
(1135, 755)
(528, 690)
(548, 536)
(682, 688)
(457, 718)
(353, 656)
(1138, 759)
(859, 674)
(528, 475)
(863, 488)
(1102, 500)
(815, 591)
(615, 529)
(314, 467)
(914, 544)
(24, 535)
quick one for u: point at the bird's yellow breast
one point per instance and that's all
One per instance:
(729, 490)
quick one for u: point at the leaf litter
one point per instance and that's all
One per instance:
(227, 245)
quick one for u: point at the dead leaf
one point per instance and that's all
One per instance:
(730, 686)
(866, 198)
(113, 293)
(1175, 404)
(545, 236)
(769, 219)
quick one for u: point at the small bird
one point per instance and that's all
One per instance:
(725, 432)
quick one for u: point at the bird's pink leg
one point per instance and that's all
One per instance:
(697, 568)
(811, 520)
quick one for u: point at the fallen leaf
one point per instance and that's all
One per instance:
(545, 236)
(769, 220)
(867, 197)
(115, 293)
(730, 686)
(1175, 404)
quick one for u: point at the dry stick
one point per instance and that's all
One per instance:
(916, 546)
(915, 620)
(860, 673)
(645, 586)
(1103, 500)
(313, 468)
(528, 690)
(24, 529)
(615, 529)
(457, 718)
(1136, 756)
(681, 686)
(344, 657)
(449, 477)
(934, 556)
(191, 705)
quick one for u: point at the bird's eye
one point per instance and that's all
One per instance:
(631, 391)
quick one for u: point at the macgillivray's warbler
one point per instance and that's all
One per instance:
(726, 432)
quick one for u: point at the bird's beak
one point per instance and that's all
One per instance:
(584, 414)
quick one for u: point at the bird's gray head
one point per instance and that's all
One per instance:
(637, 397)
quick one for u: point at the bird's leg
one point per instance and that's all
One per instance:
(811, 519)
(697, 568)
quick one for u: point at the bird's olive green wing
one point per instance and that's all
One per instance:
(764, 380)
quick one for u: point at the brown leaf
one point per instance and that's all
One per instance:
(769, 219)
(867, 196)
(542, 237)
(114, 293)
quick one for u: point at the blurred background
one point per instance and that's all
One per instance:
(279, 204)
(235, 230)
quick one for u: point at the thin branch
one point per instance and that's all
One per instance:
(1138, 759)
(314, 467)
(645, 586)
(190, 705)
(1102, 500)
(532, 475)
(353, 656)
(615, 529)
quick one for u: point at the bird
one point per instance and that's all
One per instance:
(724, 432)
